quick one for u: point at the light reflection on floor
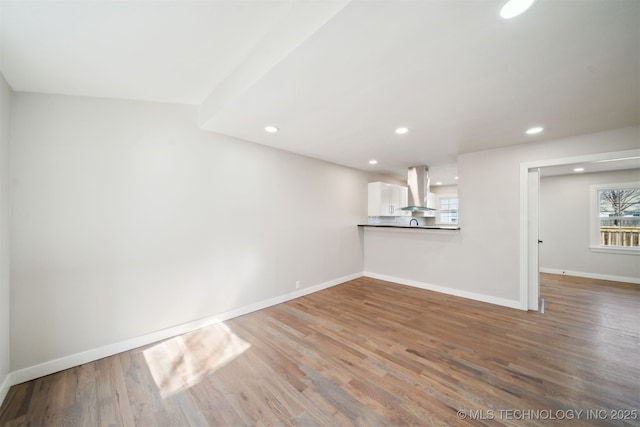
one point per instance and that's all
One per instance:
(183, 361)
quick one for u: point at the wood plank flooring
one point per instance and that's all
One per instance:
(369, 353)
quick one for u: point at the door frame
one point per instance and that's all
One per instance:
(533, 236)
(527, 290)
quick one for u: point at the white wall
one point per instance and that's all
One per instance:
(444, 189)
(482, 259)
(5, 120)
(128, 219)
(565, 227)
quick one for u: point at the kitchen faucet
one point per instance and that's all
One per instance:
(411, 222)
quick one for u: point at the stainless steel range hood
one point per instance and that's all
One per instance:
(418, 181)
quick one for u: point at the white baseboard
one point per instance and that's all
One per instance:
(52, 366)
(4, 388)
(449, 291)
(635, 280)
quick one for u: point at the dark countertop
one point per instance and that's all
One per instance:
(416, 227)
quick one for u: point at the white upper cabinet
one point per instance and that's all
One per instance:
(387, 199)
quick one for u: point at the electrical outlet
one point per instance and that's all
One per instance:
(297, 284)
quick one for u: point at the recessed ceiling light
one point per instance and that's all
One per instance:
(578, 170)
(271, 129)
(534, 130)
(513, 8)
(373, 162)
(402, 130)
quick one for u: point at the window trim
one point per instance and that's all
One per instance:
(438, 210)
(594, 222)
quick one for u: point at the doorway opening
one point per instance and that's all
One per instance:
(529, 216)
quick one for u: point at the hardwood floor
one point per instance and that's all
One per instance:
(369, 352)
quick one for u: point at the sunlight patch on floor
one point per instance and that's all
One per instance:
(181, 362)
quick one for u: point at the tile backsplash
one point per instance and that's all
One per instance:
(400, 220)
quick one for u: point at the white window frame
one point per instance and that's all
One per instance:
(447, 196)
(594, 219)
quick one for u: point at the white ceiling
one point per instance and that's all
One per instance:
(593, 167)
(338, 77)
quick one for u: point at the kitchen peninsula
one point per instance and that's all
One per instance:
(412, 227)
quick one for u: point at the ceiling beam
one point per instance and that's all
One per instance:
(297, 24)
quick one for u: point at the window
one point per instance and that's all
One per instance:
(615, 217)
(448, 210)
